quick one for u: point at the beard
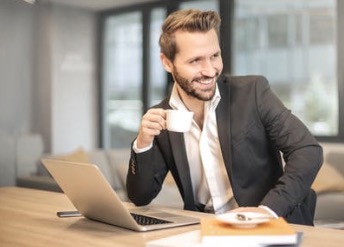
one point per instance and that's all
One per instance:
(189, 86)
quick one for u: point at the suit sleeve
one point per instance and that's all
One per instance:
(301, 152)
(145, 176)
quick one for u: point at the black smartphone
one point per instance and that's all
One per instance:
(63, 214)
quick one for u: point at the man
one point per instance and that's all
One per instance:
(230, 159)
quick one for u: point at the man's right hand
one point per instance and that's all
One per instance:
(152, 123)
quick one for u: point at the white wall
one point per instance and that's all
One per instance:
(72, 78)
(16, 81)
(47, 82)
(16, 69)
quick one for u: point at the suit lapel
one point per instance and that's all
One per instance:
(223, 125)
(180, 158)
(181, 161)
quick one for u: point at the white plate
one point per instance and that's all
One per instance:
(253, 219)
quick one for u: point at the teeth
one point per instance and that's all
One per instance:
(205, 82)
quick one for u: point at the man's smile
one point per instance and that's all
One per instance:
(205, 81)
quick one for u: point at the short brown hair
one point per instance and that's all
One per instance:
(186, 20)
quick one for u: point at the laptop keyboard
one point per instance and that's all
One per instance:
(147, 220)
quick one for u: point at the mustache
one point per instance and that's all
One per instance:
(200, 78)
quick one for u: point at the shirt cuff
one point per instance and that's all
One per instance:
(269, 210)
(141, 150)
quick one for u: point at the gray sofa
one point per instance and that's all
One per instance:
(108, 162)
(114, 165)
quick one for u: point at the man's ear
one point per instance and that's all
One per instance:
(166, 63)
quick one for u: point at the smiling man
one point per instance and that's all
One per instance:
(231, 157)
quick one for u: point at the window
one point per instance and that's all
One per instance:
(123, 75)
(277, 30)
(293, 44)
(122, 70)
(157, 75)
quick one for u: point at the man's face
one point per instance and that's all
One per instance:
(197, 64)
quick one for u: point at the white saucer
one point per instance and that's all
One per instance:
(253, 219)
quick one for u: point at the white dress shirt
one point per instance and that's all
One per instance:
(209, 178)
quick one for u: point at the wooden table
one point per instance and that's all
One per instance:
(28, 218)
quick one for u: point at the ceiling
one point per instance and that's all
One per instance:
(96, 5)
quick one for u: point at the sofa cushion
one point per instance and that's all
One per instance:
(99, 157)
(328, 179)
(335, 159)
(117, 158)
(79, 155)
(330, 206)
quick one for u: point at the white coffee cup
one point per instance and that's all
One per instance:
(179, 120)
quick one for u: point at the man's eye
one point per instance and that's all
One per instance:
(195, 61)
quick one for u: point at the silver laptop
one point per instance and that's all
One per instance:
(95, 199)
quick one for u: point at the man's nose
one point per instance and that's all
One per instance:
(208, 68)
